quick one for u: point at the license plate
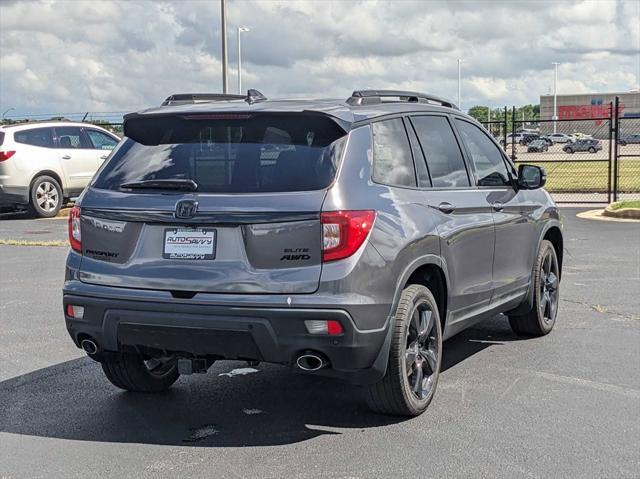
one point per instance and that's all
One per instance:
(189, 243)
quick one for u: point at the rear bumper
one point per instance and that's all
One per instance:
(275, 335)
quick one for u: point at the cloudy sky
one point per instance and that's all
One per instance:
(106, 56)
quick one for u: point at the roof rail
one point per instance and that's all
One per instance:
(369, 97)
(186, 98)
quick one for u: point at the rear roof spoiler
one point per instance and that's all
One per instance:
(370, 97)
(252, 96)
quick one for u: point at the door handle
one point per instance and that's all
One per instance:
(104, 157)
(446, 208)
(66, 157)
(497, 206)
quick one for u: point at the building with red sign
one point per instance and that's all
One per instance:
(588, 110)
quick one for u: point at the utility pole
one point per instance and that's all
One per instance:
(555, 96)
(240, 30)
(459, 84)
(225, 79)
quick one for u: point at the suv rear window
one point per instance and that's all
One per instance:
(1, 138)
(35, 137)
(237, 153)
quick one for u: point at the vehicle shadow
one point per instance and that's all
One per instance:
(272, 406)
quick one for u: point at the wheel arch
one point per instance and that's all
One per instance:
(56, 176)
(553, 234)
(430, 271)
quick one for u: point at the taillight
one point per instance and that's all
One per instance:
(343, 232)
(5, 155)
(75, 237)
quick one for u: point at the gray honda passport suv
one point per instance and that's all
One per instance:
(346, 238)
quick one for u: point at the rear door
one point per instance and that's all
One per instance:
(251, 226)
(464, 219)
(77, 156)
(513, 212)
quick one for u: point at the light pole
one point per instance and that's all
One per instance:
(223, 15)
(240, 30)
(7, 111)
(459, 83)
(555, 96)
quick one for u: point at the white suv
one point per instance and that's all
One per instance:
(44, 163)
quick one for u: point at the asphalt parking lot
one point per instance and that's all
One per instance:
(566, 405)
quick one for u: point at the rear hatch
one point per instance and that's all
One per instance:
(212, 203)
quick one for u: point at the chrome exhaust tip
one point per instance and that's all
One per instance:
(89, 345)
(311, 361)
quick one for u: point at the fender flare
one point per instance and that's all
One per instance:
(379, 367)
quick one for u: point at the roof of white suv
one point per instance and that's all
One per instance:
(49, 123)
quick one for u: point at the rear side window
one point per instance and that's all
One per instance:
(72, 137)
(442, 152)
(392, 160)
(1, 138)
(35, 137)
(486, 156)
(100, 141)
(239, 153)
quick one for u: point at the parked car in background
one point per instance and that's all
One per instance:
(547, 139)
(591, 146)
(378, 226)
(561, 138)
(629, 140)
(538, 146)
(582, 136)
(528, 138)
(513, 137)
(44, 163)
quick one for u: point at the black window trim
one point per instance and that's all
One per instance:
(399, 116)
(462, 153)
(509, 167)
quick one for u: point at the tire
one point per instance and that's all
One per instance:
(130, 371)
(622, 143)
(541, 318)
(416, 350)
(45, 197)
(569, 150)
(592, 150)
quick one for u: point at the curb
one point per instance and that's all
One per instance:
(599, 215)
(623, 213)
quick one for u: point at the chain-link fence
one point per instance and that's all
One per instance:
(626, 174)
(576, 155)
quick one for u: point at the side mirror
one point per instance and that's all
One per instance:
(531, 177)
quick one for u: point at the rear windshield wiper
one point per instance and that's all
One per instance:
(175, 184)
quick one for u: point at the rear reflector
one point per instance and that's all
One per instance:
(5, 155)
(343, 232)
(76, 312)
(319, 326)
(75, 235)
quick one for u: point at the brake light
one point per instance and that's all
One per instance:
(343, 232)
(5, 155)
(75, 236)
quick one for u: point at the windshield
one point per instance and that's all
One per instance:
(241, 154)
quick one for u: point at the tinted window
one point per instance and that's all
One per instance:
(486, 156)
(1, 138)
(100, 141)
(72, 137)
(444, 158)
(253, 154)
(36, 137)
(392, 161)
